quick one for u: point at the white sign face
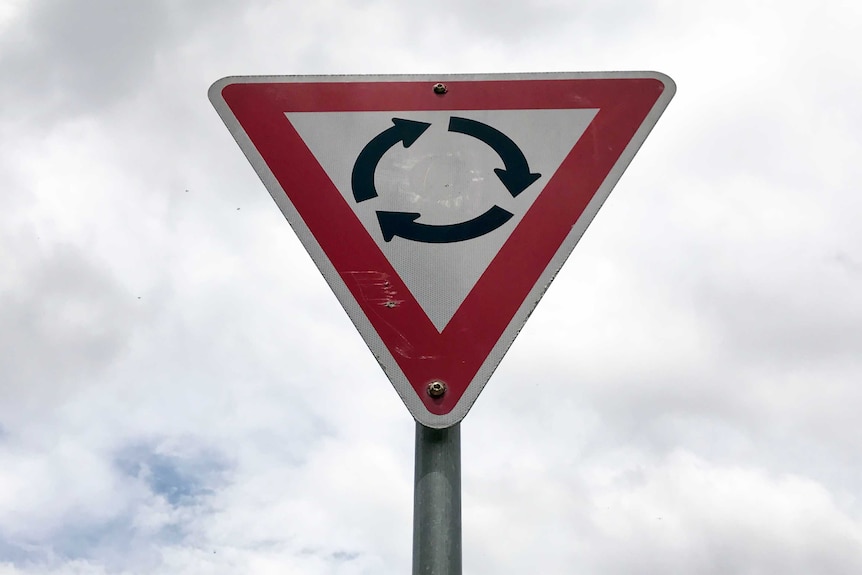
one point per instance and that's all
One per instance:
(446, 177)
(439, 215)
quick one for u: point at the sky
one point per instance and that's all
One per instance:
(181, 393)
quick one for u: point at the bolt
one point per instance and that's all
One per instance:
(436, 389)
(440, 88)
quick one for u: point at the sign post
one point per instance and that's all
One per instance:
(439, 210)
(437, 501)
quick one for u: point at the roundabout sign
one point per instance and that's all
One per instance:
(440, 209)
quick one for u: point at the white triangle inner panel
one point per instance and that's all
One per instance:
(446, 176)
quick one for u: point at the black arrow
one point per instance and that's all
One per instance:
(516, 176)
(362, 179)
(403, 224)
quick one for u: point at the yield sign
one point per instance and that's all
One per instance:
(440, 209)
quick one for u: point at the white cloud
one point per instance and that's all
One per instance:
(687, 514)
(695, 360)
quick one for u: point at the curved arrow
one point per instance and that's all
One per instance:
(362, 179)
(516, 176)
(403, 224)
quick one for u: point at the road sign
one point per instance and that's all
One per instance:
(439, 209)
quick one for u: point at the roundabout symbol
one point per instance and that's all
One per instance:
(515, 176)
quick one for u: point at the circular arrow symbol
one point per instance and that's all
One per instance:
(403, 224)
(515, 176)
(362, 179)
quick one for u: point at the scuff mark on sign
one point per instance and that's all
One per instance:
(376, 289)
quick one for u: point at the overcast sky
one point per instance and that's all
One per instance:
(180, 392)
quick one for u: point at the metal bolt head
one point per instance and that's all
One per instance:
(440, 88)
(436, 388)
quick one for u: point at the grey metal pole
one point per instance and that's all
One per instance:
(437, 501)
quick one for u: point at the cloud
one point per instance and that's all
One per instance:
(690, 515)
(695, 360)
(73, 508)
(62, 321)
(84, 57)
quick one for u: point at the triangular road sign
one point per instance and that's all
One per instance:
(439, 209)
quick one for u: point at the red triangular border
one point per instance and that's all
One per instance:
(456, 355)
